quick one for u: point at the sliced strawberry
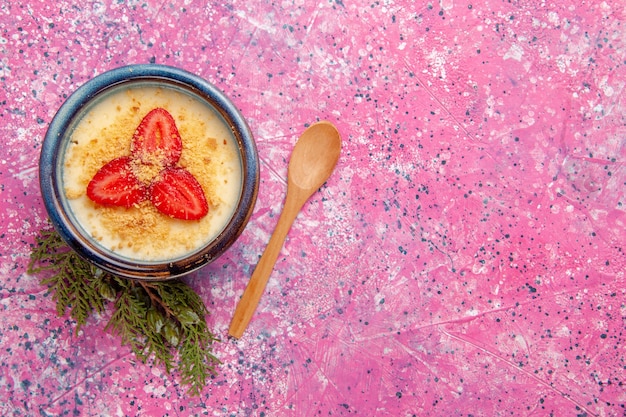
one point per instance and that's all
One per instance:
(176, 193)
(116, 185)
(156, 140)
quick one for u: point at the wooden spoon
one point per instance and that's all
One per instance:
(312, 161)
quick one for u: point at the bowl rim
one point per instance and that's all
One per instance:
(53, 194)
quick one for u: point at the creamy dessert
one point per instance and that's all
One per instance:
(150, 225)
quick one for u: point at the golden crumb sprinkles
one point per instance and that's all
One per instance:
(142, 232)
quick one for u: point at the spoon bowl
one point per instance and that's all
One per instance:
(312, 161)
(314, 157)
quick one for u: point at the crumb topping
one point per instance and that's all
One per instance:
(142, 232)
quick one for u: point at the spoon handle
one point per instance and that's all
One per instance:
(253, 292)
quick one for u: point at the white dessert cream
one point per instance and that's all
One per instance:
(210, 153)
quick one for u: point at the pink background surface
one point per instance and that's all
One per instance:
(466, 257)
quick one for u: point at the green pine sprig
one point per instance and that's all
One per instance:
(162, 321)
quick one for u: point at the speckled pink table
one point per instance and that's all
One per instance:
(465, 259)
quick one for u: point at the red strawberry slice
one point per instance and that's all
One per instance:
(156, 140)
(176, 193)
(116, 185)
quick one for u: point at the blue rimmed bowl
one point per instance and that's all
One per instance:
(57, 140)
